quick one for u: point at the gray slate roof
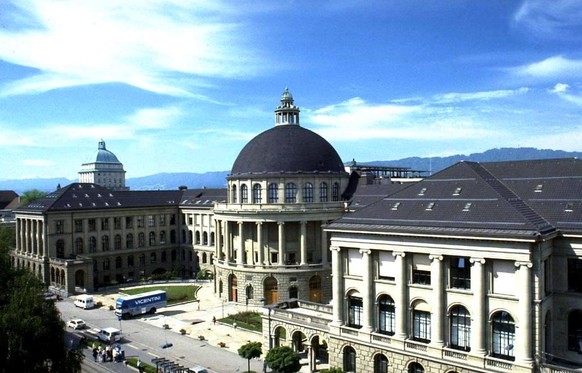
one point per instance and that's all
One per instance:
(517, 198)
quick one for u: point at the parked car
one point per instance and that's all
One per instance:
(76, 324)
(197, 369)
(109, 335)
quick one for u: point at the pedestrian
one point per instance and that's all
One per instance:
(214, 320)
(234, 324)
(94, 352)
(139, 368)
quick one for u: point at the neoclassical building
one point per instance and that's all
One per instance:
(103, 169)
(475, 269)
(285, 184)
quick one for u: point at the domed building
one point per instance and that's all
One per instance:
(103, 169)
(284, 185)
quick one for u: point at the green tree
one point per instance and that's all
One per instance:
(30, 196)
(332, 370)
(250, 351)
(7, 237)
(31, 330)
(283, 360)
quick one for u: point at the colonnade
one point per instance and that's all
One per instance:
(30, 237)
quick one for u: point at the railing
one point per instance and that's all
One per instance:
(349, 332)
(410, 345)
(285, 207)
(458, 355)
(499, 364)
(381, 339)
(308, 266)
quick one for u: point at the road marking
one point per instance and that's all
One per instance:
(154, 355)
(132, 346)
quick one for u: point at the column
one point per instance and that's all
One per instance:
(303, 243)
(227, 241)
(260, 243)
(478, 314)
(34, 237)
(240, 250)
(217, 239)
(337, 285)
(401, 295)
(437, 301)
(367, 290)
(18, 236)
(523, 329)
(281, 241)
(323, 246)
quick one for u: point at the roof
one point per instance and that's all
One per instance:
(287, 149)
(88, 196)
(516, 198)
(8, 199)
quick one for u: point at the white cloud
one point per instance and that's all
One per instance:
(157, 46)
(553, 67)
(555, 19)
(479, 96)
(38, 162)
(560, 88)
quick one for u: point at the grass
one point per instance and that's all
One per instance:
(249, 320)
(176, 294)
(147, 367)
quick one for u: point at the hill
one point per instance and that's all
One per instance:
(168, 181)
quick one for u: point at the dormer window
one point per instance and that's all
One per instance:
(457, 191)
(395, 206)
(569, 207)
(538, 188)
(467, 206)
(422, 191)
(430, 206)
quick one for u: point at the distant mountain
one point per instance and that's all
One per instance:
(169, 181)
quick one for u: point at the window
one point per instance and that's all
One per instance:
(130, 261)
(117, 242)
(293, 292)
(387, 266)
(152, 239)
(460, 273)
(575, 331)
(79, 246)
(106, 264)
(380, 364)
(92, 244)
(421, 323)
(349, 360)
(104, 224)
(151, 221)
(60, 226)
(290, 193)
(415, 368)
(105, 243)
(504, 277)
(335, 192)
(233, 196)
(386, 315)
(308, 192)
(162, 219)
(575, 275)
(162, 237)
(355, 310)
(460, 323)
(142, 260)
(323, 192)
(128, 222)
(78, 225)
(141, 239)
(503, 335)
(257, 193)
(118, 262)
(244, 194)
(173, 219)
(153, 257)
(421, 269)
(273, 193)
(116, 223)
(140, 222)
(129, 241)
(92, 225)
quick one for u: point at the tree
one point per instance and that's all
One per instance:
(250, 351)
(283, 360)
(30, 196)
(31, 330)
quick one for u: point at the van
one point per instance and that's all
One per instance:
(109, 335)
(84, 301)
(197, 369)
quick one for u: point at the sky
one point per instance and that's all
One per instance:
(182, 86)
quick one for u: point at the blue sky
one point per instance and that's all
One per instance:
(182, 86)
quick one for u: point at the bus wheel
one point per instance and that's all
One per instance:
(153, 310)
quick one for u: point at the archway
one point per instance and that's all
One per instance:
(280, 334)
(80, 279)
(299, 340)
(271, 290)
(317, 353)
(233, 286)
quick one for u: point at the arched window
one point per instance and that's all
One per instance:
(129, 241)
(205, 238)
(162, 237)
(290, 193)
(79, 245)
(197, 235)
(257, 193)
(106, 264)
(141, 239)
(152, 239)
(323, 192)
(502, 335)
(415, 368)
(460, 324)
(273, 193)
(386, 315)
(335, 192)
(349, 359)
(355, 310)
(163, 257)
(105, 243)
(211, 238)
(173, 236)
(380, 364)
(244, 194)
(130, 261)
(233, 195)
(92, 244)
(308, 192)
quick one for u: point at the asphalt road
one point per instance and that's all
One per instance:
(145, 341)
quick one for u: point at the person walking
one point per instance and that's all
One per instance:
(213, 320)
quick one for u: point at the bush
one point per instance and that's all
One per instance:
(201, 337)
(332, 370)
(182, 331)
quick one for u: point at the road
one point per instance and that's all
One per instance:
(143, 340)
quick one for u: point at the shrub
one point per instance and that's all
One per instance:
(182, 331)
(201, 337)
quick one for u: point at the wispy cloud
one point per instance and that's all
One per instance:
(563, 91)
(553, 67)
(478, 96)
(160, 46)
(556, 19)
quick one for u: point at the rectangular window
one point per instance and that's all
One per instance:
(504, 277)
(354, 262)
(386, 316)
(460, 273)
(386, 266)
(151, 221)
(575, 275)
(355, 311)
(421, 326)
(140, 222)
(128, 222)
(104, 224)
(92, 225)
(78, 225)
(60, 226)
(547, 277)
(162, 220)
(116, 223)
(421, 269)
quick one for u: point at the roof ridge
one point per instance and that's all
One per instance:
(532, 216)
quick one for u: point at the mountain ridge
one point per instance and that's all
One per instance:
(217, 179)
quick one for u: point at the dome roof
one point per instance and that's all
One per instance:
(287, 149)
(104, 156)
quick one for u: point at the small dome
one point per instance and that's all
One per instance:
(105, 156)
(287, 149)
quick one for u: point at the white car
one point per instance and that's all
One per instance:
(197, 369)
(109, 335)
(77, 324)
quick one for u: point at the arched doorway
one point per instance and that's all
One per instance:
(271, 290)
(232, 285)
(315, 289)
(80, 279)
(317, 353)
(299, 340)
(280, 334)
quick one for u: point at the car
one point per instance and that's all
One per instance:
(76, 324)
(109, 335)
(197, 369)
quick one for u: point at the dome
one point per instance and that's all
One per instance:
(287, 149)
(105, 156)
